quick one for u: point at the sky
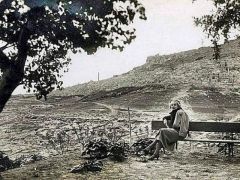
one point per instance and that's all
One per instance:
(169, 28)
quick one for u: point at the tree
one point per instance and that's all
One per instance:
(224, 19)
(36, 37)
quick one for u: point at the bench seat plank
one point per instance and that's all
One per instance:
(209, 140)
(205, 126)
(212, 140)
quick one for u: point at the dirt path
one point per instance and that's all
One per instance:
(111, 108)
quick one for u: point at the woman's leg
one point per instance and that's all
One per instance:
(168, 137)
(150, 146)
(157, 150)
(162, 139)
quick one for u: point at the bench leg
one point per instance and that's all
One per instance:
(191, 146)
(230, 149)
(226, 149)
(232, 145)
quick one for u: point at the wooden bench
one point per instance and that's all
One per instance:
(211, 126)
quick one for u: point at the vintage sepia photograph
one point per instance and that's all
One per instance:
(119, 89)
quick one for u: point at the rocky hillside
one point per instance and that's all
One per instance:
(194, 68)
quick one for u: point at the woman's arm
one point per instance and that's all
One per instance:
(177, 120)
(167, 117)
(166, 120)
(181, 123)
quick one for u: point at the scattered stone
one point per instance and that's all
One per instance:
(207, 170)
(142, 159)
(92, 166)
(27, 159)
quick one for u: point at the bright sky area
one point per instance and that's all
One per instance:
(168, 29)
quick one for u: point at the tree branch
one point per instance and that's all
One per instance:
(6, 46)
(3, 47)
(23, 48)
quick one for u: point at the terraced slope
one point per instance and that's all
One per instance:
(194, 68)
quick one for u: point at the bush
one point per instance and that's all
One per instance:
(96, 149)
(118, 151)
(99, 149)
(141, 144)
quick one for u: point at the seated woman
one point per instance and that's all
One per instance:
(177, 129)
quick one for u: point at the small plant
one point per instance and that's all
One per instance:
(141, 131)
(225, 147)
(27, 159)
(82, 132)
(57, 140)
(114, 132)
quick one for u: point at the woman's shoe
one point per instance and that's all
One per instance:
(154, 156)
(146, 151)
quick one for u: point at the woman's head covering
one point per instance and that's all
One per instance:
(175, 101)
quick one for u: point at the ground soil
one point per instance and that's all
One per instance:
(25, 121)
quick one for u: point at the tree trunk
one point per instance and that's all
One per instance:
(8, 83)
(13, 72)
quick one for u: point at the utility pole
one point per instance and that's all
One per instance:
(130, 127)
(98, 76)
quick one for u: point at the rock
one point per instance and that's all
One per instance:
(92, 166)
(23, 160)
(2, 168)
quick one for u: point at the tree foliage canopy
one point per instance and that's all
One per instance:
(37, 35)
(224, 19)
